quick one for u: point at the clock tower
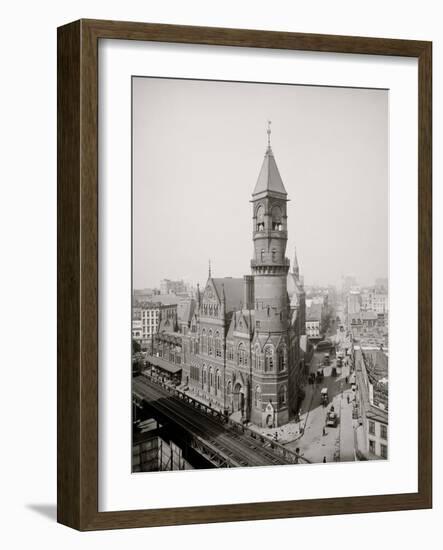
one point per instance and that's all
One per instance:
(270, 271)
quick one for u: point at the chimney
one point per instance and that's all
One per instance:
(248, 295)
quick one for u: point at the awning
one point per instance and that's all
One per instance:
(162, 364)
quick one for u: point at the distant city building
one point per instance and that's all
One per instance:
(150, 314)
(144, 294)
(374, 299)
(354, 301)
(381, 284)
(313, 320)
(172, 287)
(137, 326)
(348, 282)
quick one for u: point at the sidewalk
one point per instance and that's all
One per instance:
(347, 451)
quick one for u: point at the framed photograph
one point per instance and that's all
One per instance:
(244, 275)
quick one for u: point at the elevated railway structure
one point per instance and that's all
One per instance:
(222, 441)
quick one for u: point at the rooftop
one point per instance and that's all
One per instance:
(232, 289)
(313, 313)
(269, 178)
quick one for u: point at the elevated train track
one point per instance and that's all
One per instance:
(222, 442)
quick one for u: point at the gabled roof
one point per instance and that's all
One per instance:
(242, 322)
(167, 324)
(185, 310)
(233, 290)
(269, 178)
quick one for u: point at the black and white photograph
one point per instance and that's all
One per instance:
(260, 274)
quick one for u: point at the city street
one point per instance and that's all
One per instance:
(338, 442)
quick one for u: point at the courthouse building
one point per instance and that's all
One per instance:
(239, 348)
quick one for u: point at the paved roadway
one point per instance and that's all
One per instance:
(334, 443)
(239, 449)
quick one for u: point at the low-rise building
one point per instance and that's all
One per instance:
(369, 326)
(375, 299)
(137, 328)
(172, 287)
(371, 369)
(149, 319)
(313, 320)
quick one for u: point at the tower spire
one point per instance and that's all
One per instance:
(269, 178)
(295, 267)
(209, 270)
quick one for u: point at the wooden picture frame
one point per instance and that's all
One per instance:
(77, 480)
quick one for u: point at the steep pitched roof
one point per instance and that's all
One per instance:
(185, 310)
(233, 290)
(269, 178)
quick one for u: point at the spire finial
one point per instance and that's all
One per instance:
(268, 131)
(209, 271)
(295, 267)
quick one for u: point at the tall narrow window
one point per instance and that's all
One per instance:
(274, 255)
(218, 349)
(210, 343)
(276, 218)
(262, 255)
(269, 359)
(260, 218)
(282, 395)
(282, 359)
(257, 396)
(241, 354)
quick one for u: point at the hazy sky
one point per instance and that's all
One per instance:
(198, 149)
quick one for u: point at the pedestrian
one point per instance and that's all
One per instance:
(324, 460)
(324, 430)
(346, 380)
(348, 398)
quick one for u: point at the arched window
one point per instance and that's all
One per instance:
(241, 355)
(277, 219)
(269, 359)
(257, 357)
(262, 255)
(260, 218)
(210, 343)
(217, 381)
(274, 255)
(229, 388)
(211, 377)
(205, 376)
(257, 396)
(282, 359)
(210, 310)
(218, 347)
(204, 342)
(282, 395)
